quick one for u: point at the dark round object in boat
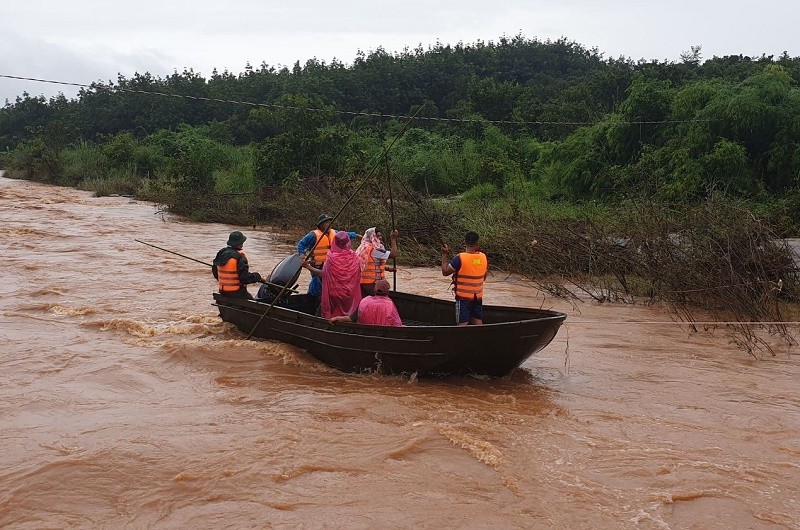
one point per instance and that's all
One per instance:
(286, 272)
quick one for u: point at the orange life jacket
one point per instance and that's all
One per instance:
(228, 275)
(374, 271)
(323, 247)
(469, 278)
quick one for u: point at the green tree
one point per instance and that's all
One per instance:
(303, 137)
(191, 157)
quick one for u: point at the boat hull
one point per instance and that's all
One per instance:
(431, 346)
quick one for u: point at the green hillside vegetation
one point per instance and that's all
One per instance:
(620, 170)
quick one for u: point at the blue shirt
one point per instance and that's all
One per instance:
(304, 245)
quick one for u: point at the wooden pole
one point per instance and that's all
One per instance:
(208, 264)
(391, 213)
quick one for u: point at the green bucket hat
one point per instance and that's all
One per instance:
(236, 239)
(322, 218)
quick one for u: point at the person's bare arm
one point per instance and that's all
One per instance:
(313, 270)
(447, 270)
(344, 318)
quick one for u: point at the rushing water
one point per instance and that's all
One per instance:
(126, 402)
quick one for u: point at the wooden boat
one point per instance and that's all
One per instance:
(430, 344)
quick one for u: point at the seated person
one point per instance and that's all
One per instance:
(375, 310)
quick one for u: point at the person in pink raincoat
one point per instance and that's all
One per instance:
(341, 275)
(375, 310)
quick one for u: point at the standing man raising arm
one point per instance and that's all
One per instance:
(469, 269)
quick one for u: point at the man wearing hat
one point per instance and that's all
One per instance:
(318, 243)
(231, 269)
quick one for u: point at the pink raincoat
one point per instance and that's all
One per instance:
(341, 279)
(379, 310)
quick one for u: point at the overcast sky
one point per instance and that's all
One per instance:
(89, 40)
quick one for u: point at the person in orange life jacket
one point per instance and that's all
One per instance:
(325, 234)
(373, 256)
(341, 273)
(469, 271)
(231, 269)
(375, 310)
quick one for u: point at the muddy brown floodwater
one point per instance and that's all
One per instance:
(126, 402)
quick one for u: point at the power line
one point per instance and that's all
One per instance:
(109, 88)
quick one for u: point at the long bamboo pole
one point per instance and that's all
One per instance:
(171, 252)
(206, 264)
(391, 213)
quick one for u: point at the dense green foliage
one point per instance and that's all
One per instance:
(518, 110)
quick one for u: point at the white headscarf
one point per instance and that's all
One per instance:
(369, 243)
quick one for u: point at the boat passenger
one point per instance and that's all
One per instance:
(375, 310)
(469, 271)
(319, 240)
(341, 274)
(373, 256)
(231, 269)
